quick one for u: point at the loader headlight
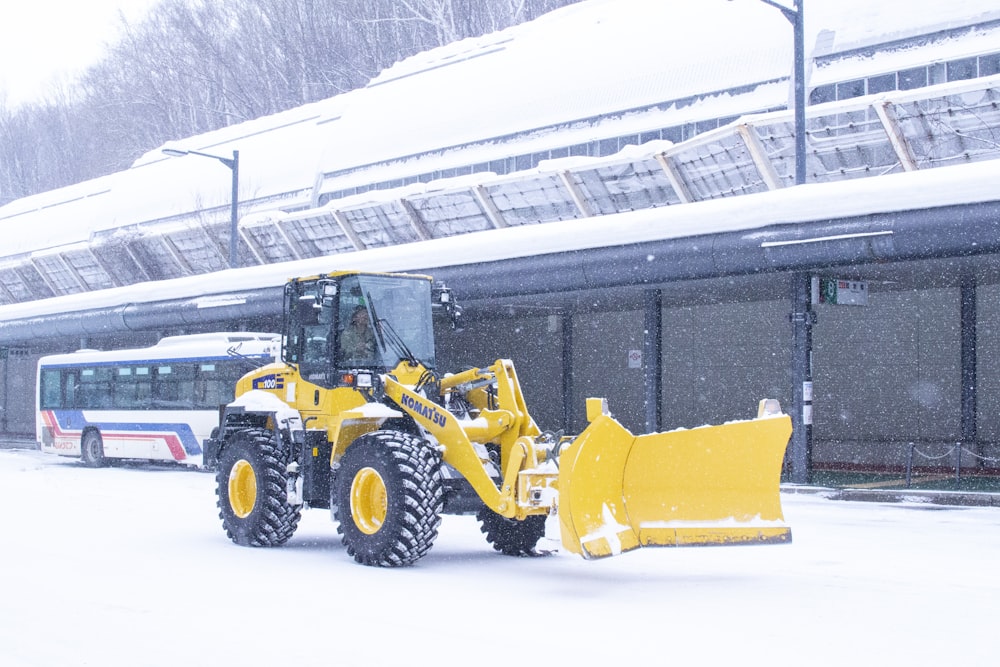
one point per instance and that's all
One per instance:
(359, 379)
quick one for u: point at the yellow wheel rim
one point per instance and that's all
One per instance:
(242, 488)
(369, 501)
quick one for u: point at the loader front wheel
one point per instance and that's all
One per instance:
(250, 485)
(388, 498)
(510, 536)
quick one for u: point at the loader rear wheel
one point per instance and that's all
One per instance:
(251, 487)
(388, 498)
(510, 536)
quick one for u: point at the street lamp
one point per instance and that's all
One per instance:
(234, 219)
(794, 16)
(802, 317)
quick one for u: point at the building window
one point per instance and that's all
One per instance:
(649, 136)
(608, 147)
(989, 65)
(959, 70)
(821, 94)
(882, 84)
(674, 134)
(913, 78)
(936, 73)
(849, 89)
(706, 125)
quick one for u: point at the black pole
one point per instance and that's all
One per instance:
(795, 16)
(802, 317)
(234, 197)
(652, 359)
(234, 218)
(800, 95)
(968, 363)
(567, 371)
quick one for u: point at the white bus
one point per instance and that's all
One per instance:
(155, 403)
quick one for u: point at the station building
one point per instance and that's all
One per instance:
(610, 191)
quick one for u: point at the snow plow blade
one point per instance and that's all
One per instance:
(711, 485)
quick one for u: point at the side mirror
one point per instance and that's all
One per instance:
(443, 300)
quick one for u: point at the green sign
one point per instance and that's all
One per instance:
(839, 292)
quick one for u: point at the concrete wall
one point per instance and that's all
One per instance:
(719, 360)
(602, 343)
(885, 375)
(988, 374)
(17, 391)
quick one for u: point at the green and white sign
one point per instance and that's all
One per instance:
(839, 292)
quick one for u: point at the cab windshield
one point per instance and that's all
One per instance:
(382, 320)
(357, 321)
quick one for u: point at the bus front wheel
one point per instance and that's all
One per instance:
(92, 449)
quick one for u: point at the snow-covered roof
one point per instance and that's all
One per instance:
(595, 69)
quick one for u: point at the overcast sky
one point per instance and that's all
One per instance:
(46, 41)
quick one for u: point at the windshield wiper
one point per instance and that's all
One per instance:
(389, 335)
(251, 363)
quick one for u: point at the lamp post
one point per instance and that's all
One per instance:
(234, 166)
(802, 316)
(794, 16)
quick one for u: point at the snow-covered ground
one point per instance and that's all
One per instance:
(129, 566)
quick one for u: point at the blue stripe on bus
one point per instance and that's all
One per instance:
(183, 431)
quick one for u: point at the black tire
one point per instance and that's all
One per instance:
(92, 449)
(250, 484)
(510, 536)
(387, 498)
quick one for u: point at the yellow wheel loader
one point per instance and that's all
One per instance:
(357, 418)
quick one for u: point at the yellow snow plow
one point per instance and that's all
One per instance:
(356, 418)
(711, 485)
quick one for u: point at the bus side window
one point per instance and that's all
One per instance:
(143, 386)
(216, 384)
(95, 388)
(50, 390)
(125, 388)
(71, 381)
(164, 388)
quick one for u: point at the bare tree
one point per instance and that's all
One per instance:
(191, 66)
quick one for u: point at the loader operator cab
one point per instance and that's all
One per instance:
(335, 324)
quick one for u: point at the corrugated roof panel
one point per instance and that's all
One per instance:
(16, 287)
(849, 144)
(952, 128)
(88, 269)
(32, 279)
(450, 213)
(318, 234)
(719, 166)
(116, 259)
(57, 274)
(533, 198)
(270, 243)
(625, 186)
(200, 249)
(155, 258)
(380, 225)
